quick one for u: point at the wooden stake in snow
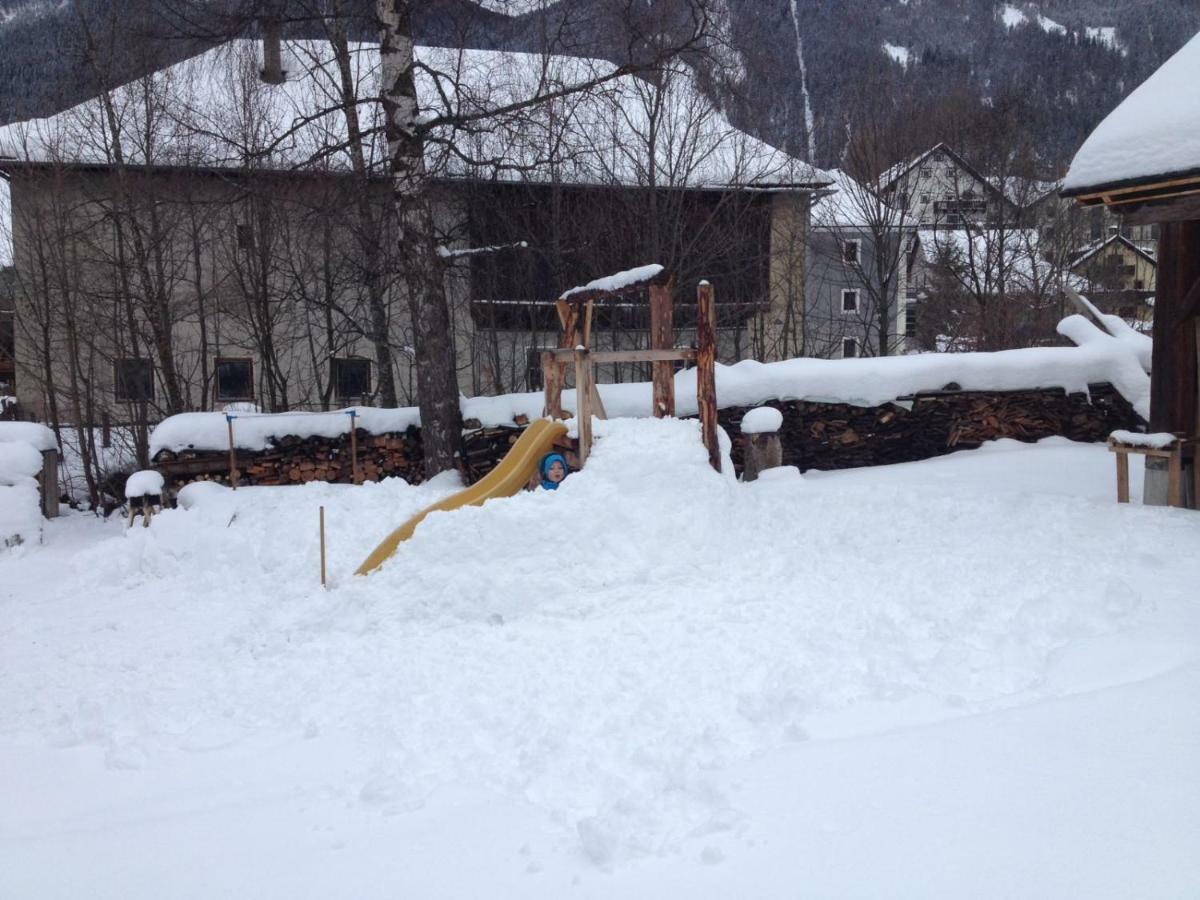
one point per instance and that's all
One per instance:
(233, 472)
(322, 527)
(353, 446)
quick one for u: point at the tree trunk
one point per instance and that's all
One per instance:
(437, 382)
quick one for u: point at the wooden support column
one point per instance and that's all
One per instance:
(706, 371)
(583, 403)
(1174, 394)
(662, 337)
(552, 384)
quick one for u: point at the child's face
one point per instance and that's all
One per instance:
(556, 472)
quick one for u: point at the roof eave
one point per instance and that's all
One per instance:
(1134, 189)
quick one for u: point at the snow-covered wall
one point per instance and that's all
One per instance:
(862, 382)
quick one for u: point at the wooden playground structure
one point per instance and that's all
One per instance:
(575, 311)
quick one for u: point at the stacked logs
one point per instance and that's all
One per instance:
(814, 436)
(291, 459)
(839, 436)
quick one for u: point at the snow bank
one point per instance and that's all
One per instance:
(596, 657)
(19, 462)
(860, 382)
(146, 483)
(38, 436)
(1158, 440)
(1154, 132)
(20, 498)
(763, 420)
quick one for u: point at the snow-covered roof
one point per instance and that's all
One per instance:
(852, 204)
(1154, 135)
(1086, 253)
(216, 111)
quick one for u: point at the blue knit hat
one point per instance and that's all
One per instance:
(547, 461)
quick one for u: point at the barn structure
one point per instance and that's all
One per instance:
(1143, 162)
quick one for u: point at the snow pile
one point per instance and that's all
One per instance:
(861, 382)
(1140, 345)
(146, 483)
(763, 420)
(1157, 441)
(20, 499)
(1154, 133)
(581, 684)
(38, 436)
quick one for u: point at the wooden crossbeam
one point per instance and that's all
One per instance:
(681, 354)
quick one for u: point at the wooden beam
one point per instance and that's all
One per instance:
(682, 354)
(662, 337)
(706, 371)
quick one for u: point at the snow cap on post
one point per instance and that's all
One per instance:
(763, 420)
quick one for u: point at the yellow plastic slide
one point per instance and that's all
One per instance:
(506, 479)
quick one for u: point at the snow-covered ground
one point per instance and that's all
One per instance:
(972, 676)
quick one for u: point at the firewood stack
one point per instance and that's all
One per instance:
(297, 460)
(814, 436)
(839, 436)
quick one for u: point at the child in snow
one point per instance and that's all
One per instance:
(553, 470)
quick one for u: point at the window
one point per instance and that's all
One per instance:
(926, 199)
(133, 381)
(850, 252)
(849, 348)
(235, 379)
(910, 318)
(926, 171)
(351, 378)
(849, 301)
(1139, 285)
(245, 237)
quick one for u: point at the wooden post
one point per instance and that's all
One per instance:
(662, 337)
(233, 472)
(1175, 477)
(322, 526)
(1122, 476)
(706, 371)
(583, 403)
(552, 384)
(49, 483)
(354, 447)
